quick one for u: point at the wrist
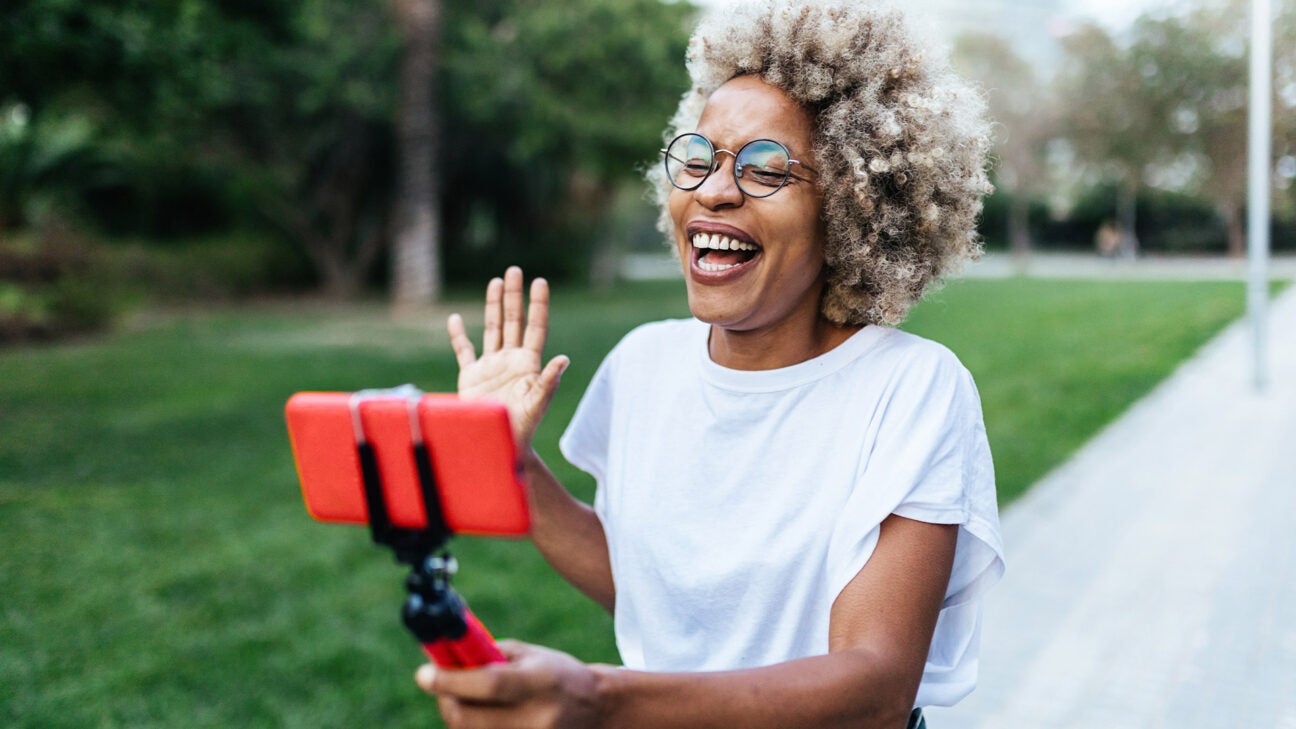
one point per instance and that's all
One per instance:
(607, 694)
(532, 464)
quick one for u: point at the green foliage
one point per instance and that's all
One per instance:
(524, 70)
(41, 166)
(545, 116)
(54, 285)
(219, 114)
(1107, 122)
(215, 267)
(1166, 107)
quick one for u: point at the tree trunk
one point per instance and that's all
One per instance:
(1236, 226)
(1126, 212)
(1019, 237)
(416, 260)
(338, 280)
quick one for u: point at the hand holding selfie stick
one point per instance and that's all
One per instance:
(437, 616)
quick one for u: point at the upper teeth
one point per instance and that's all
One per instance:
(718, 242)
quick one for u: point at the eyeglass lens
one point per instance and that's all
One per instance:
(761, 166)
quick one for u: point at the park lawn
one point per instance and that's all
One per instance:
(157, 568)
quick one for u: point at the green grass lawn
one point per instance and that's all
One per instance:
(157, 568)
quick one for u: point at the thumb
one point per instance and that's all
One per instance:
(425, 677)
(550, 376)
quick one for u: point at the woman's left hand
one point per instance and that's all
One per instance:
(538, 687)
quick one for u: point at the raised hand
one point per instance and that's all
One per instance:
(509, 368)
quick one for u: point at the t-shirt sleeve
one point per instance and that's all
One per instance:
(585, 442)
(929, 461)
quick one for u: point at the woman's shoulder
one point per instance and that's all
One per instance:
(649, 347)
(909, 352)
(661, 337)
(901, 366)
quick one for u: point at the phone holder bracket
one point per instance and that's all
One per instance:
(411, 546)
(433, 611)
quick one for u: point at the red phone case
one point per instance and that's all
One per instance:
(470, 442)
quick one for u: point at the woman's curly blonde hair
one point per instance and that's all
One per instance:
(899, 141)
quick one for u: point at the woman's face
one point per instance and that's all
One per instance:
(774, 275)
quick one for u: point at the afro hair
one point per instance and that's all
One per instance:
(900, 142)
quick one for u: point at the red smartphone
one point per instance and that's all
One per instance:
(474, 459)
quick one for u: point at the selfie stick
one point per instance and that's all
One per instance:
(437, 616)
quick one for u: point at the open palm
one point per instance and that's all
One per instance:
(509, 369)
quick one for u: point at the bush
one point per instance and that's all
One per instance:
(1166, 223)
(55, 284)
(221, 266)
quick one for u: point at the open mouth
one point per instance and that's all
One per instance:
(716, 252)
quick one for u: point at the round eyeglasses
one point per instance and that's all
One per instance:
(761, 167)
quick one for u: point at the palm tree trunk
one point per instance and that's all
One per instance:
(415, 260)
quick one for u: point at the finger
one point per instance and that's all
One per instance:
(491, 334)
(459, 341)
(537, 328)
(512, 649)
(514, 305)
(550, 376)
(469, 715)
(425, 677)
(498, 683)
(451, 711)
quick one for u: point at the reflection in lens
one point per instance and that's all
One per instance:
(688, 160)
(697, 158)
(764, 165)
(761, 166)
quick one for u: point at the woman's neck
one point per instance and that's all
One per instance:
(771, 348)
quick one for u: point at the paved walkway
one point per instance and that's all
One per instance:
(1088, 265)
(1152, 578)
(661, 264)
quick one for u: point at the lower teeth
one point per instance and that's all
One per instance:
(715, 266)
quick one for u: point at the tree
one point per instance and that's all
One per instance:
(1107, 119)
(550, 108)
(1285, 107)
(293, 108)
(1023, 111)
(305, 115)
(1194, 70)
(1171, 108)
(288, 102)
(416, 255)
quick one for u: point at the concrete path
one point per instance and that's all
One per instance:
(1144, 268)
(661, 264)
(1152, 578)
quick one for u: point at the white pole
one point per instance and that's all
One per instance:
(1259, 143)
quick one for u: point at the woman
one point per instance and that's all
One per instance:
(795, 517)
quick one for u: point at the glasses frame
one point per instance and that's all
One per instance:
(737, 168)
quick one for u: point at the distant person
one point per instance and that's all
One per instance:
(1108, 239)
(795, 519)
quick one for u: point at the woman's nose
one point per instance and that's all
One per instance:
(720, 188)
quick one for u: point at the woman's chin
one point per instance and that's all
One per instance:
(718, 310)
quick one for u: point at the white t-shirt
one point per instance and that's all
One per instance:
(738, 504)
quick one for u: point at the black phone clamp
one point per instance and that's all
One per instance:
(433, 611)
